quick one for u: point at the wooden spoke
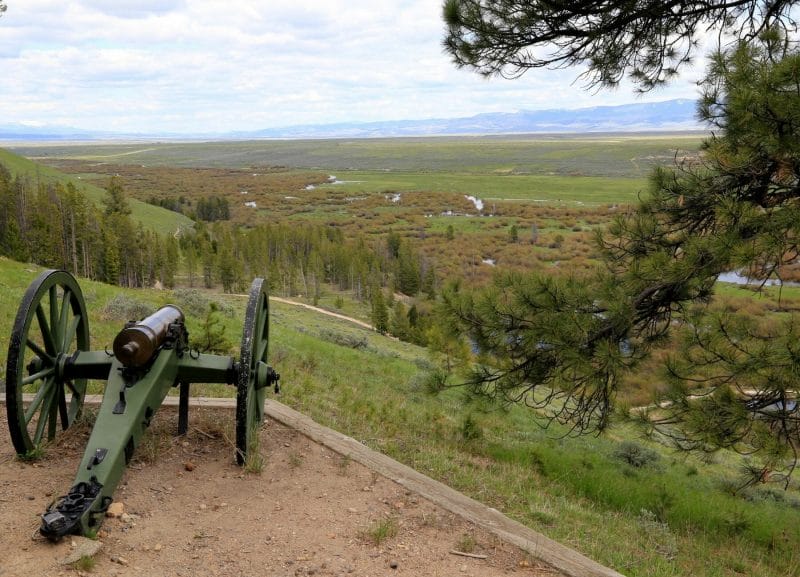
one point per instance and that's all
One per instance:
(50, 326)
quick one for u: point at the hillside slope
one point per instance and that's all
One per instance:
(152, 217)
(672, 516)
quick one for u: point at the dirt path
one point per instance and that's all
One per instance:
(190, 511)
(323, 311)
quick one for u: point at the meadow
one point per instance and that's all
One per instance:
(622, 498)
(555, 190)
(611, 155)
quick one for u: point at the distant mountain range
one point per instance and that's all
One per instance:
(670, 115)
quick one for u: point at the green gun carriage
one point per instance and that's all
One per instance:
(50, 361)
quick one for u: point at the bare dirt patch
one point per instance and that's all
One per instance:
(190, 511)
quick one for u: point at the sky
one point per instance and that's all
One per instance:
(203, 66)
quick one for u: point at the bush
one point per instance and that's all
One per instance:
(195, 303)
(212, 337)
(470, 429)
(635, 455)
(125, 308)
(344, 340)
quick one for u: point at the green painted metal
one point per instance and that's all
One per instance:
(50, 326)
(118, 434)
(48, 355)
(205, 368)
(254, 375)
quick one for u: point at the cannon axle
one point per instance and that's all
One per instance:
(49, 359)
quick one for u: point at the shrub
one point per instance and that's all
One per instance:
(471, 429)
(195, 303)
(635, 455)
(344, 340)
(125, 308)
(212, 337)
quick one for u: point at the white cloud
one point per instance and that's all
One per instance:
(202, 65)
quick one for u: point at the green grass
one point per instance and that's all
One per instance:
(85, 563)
(381, 531)
(550, 189)
(672, 517)
(152, 217)
(652, 521)
(565, 170)
(629, 156)
(767, 293)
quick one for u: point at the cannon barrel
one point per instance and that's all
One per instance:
(49, 364)
(136, 344)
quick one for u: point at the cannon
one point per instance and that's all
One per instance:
(49, 363)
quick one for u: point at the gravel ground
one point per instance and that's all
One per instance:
(188, 510)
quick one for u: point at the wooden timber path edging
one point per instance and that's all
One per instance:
(555, 554)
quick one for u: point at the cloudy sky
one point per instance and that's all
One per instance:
(191, 66)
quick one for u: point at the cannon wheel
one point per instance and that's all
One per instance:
(250, 391)
(51, 325)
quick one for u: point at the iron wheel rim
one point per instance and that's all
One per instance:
(51, 325)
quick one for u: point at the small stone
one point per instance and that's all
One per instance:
(203, 506)
(352, 510)
(463, 569)
(393, 564)
(81, 547)
(189, 466)
(115, 509)
(158, 547)
(120, 560)
(31, 498)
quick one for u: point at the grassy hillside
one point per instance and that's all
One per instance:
(152, 217)
(628, 156)
(625, 501)
(554, 190)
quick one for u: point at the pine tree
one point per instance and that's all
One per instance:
(513, 234)
(115, 200)
(408, 271)
(647, 41)
(400, 327)
(111, 261)
(211, 337)
(11, 242)
(563, 344)
(380, 314)
(170, 263)
(429, 282)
